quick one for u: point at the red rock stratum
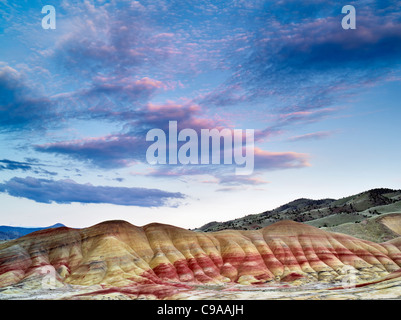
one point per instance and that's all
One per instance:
(119, 254)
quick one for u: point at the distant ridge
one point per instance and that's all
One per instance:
(10, 233)
(342, 215)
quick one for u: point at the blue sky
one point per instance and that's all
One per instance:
(76, 104)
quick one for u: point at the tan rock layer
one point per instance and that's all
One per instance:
(120, 254)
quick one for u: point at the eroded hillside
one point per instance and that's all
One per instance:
(119, 256)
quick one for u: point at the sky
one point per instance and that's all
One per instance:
(77, 102)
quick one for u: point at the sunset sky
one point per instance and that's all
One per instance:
(76, 104)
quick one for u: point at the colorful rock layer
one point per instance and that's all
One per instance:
(119, 254)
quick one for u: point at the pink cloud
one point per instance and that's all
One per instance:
(267, 160)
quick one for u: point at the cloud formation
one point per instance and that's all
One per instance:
(31, 165)
(129, 147)
(312, 136)
(21, 107)
(292, 59)
(301, 59)
(266, 160)
(225, 174)
(6, 164)
(68, 191)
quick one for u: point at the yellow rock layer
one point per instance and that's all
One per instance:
(117, 253)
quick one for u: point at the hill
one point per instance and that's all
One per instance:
(9, 233)
(325, 213)
(163, 261)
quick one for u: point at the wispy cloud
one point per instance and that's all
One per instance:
(31, 165)
(266, 160)
(311, 63)
(6, 164)
(21, 107)
(241, 180)
(312, 136)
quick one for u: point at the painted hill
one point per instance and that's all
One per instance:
(159, 260)
(9, 233)
(328, 214)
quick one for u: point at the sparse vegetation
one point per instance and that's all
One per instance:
(324, 213)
